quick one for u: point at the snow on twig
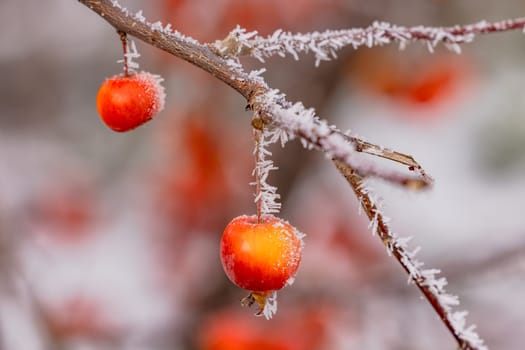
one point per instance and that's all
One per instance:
(427, 280)
(155, 27)
(294, 120)
(130, 53)
(324, 45)
(297, 121)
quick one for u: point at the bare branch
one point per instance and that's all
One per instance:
(431, 287)
(325, 44)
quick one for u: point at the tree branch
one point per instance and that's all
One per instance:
(172, 42)
(325, 44)
(431, 287)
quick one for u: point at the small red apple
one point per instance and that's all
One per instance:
(260, 256)
(125, 102)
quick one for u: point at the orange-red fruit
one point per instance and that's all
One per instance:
(261, 256)
(126, 102)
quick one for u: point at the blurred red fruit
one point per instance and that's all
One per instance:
(435, 81)
(430, 80)
(300, 328)
(192, 188)
(65, 212)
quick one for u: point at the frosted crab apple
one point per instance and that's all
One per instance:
(125, 102)
(261, 257)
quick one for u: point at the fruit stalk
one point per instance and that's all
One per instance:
(257, 173)
(124, 40)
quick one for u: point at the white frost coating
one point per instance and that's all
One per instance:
(290, 281)
(270, 306)
(140, 17)
(324, 45)
(296, 121)
(428, 279)
(157, 26)
(154, 82)
(255, 75)
(130, 55)
(267, 197)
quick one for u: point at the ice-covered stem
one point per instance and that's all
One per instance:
(257, 137)
(124, 41)
(296, 121)
(266, 196)
(432, 287)
(324, 45)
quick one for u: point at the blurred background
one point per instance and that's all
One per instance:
(110, 241)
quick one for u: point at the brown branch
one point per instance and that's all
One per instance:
(404, 257)
(190, 51)
(482, 27)
(324, 44)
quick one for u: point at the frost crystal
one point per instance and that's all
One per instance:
(156, 27)
(270, 306)
(130, 55)
(267, 196)
(425, 278)
(324, 45)
(297, 121)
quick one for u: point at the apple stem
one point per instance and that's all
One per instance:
(124, 40)
(257, 173)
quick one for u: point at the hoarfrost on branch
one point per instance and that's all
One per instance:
(324, 45)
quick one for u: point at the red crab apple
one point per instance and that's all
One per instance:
(125, 102)
(260, 256)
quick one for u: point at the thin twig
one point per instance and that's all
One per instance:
(325, 44)
(124, 40)
(432, 288)
(414, 183)
(257, 172)
(398, 157)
